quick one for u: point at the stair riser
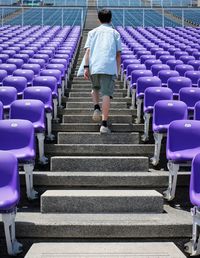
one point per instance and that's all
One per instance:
(88, 119)
(132, 202)
(89, 112)
(95, 128)
(64, 138)
(99, 164)
(100, 149)
(88, 95)
(90, 99)
(81, 105)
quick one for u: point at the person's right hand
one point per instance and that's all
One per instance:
(86, 74)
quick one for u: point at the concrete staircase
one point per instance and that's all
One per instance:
(100, 188)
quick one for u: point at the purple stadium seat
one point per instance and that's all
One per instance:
(190, 96)
(196, 55)
(194, 76)
(156, 68)
(173, 63)
(161, 53)
(7, 96)
(165, 111)
(180, 152)
(186, 59)
(24, 57)
(41, 62)
(195, 64)
(28, 52)
(192, 247)
(4, 57)
(17, 137)
(142, 84)
(143, 58)
(177, 83)
(20, 83)
(179, 53)
(124, 65)
(28, 74)
(165, 58)
(34, 67)
(34, 111)
(141, 53)
(18, 62)
(57, 74)
(51, 82)
(130, 68)
(10, 53)
(148, 63)
(135, 75)
(42, 56)
(164, 75)
(3, 75)
(9, 68)
(9, 199)
(45, 95)
(151, 96)
(182, 69)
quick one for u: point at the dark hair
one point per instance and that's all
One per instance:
(105, 16)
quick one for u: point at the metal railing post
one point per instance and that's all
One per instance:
(183, 18)
(22, 16)
(42, 17)
(123, 18)
(62, 17)
(143, 18)
(163, 17)
(2, 12)
(82, 22)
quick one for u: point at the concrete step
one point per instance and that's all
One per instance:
(89, 104)
(104, 164)
(96, 138)
(75, 90)
(154, 179)
(89, 127)
(172, 224)
(101, 201)
(89, 111)
(100, 149)
(103, 250)
(118, 100)
(88, 95)
(88, 119)
(82, 86)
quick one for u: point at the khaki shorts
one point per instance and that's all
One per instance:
(103, 82)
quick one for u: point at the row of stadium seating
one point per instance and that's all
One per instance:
(189, 15)
(34, 70)
(161, 71)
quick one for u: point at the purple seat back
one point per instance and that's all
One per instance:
(195, 64)
(166, 111)
(145, 82)
(164, 75)
(28, 74)
(34, 67)
(135, 75)
(165, 58)
(179, 150)
(17, 136)
(20, 83)
(173, 63)
(182, 69)
(190, 96)
(177, 83)
(153, 94)
(133, 67)
(148, 63)
(156, 68)
(29, 109)
(10, 68)
(187, 58)
(18, 62)
(194, 76)
(53, 72)
(9, 182)
(47, 81)
(43, 94)
(7, 96)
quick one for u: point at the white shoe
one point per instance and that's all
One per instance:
(96, 115)
(105, 130)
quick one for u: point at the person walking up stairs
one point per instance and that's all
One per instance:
(102, 64)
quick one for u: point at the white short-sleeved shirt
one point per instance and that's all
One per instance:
(104, 42)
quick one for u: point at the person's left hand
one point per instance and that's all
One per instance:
(86, 74)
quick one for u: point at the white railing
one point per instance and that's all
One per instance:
(42, 16)
(161, 17)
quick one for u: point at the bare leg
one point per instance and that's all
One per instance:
(95, 97)
(105, 108)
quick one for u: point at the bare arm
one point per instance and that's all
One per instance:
(86, 70)
(118, 58)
